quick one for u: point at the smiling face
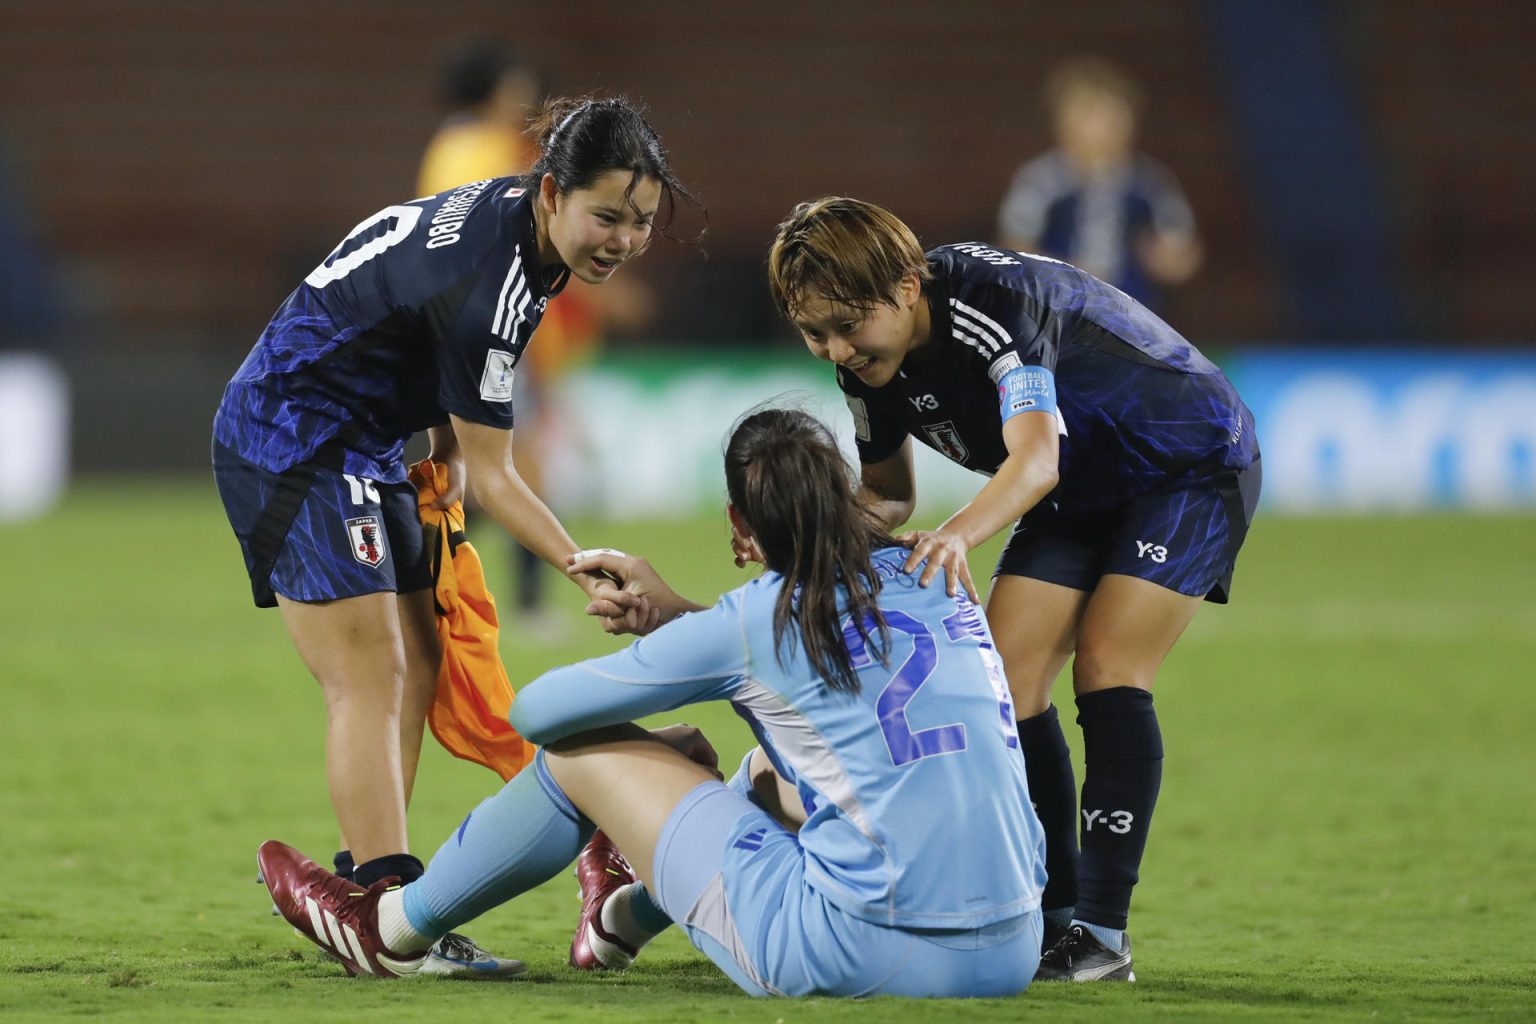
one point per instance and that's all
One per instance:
(596, 230)
(870, 343)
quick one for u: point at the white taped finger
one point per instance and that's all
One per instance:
(586, 553)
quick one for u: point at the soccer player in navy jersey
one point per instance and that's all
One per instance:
(854, 852)
(1124, 461)
(417, 321)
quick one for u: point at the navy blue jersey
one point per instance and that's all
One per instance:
(424, 310)
(1095, 222)
(1136, 404)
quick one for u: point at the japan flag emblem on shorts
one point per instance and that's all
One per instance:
(367, 540)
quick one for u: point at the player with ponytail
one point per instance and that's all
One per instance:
(852, 854)
(417, 321)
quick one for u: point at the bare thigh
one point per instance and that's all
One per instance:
(423, 656)
(1127, 630)
(353, 647)
(1035, 626)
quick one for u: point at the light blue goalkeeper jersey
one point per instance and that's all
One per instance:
(918, 809)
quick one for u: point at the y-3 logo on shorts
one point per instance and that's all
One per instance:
(1157, 551)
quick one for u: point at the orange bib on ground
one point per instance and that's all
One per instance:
(469, 712)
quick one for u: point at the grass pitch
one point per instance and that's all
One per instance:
(1345, 833)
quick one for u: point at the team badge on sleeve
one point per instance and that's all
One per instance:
(367, 538)
(496, 381)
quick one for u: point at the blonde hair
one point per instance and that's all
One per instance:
(848, 251)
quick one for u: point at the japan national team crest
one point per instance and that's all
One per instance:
(367, 538)
(947, 440)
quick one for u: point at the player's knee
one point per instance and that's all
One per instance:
(381, 685)
(1030, 704)
(420, 678)
(1098, 668)
(1030, 682)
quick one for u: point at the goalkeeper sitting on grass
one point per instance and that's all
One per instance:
(853, 853)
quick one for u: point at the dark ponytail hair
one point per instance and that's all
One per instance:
(583, 138)
(787, 478)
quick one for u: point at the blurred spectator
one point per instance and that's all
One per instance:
(491, 95)
(1095, 202)
(34, 394)
(29, 311)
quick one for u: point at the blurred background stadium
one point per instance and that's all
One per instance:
(1355, 727)
(1360, 174)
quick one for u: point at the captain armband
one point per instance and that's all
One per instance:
(1026, 389)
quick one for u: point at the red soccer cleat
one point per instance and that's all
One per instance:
(601, 870)
(339, 917)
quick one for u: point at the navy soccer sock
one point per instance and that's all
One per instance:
(530, 579)
(1123, 750)
(344, 866)
(398, 865)
(1048, 764)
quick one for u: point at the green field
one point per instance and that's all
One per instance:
(1347, 828)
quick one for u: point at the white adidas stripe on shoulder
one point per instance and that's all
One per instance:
(972, 336)
(513, 282)
(978, 319)
(514, 310)
(521, 297)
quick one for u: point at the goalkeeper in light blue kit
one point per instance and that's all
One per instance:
(880, 840)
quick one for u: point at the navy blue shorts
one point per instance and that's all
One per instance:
(1184, 537)
(314, 533)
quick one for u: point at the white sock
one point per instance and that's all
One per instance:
(618, 916)
(395, 928)
(1112, 938)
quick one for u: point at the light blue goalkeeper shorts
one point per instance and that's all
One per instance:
(734, 879)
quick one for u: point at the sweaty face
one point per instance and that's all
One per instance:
(596, 230)
(870, 343)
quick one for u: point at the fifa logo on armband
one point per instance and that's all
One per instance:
(1157, 551)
